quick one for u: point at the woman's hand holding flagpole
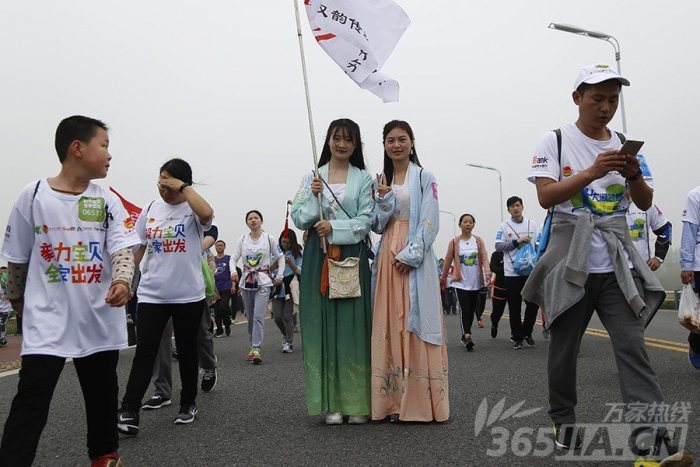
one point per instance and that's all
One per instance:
(308, 111)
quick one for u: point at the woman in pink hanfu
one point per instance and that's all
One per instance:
(409, 355)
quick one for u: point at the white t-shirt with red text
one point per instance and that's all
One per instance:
(171, 269)
(68, 241)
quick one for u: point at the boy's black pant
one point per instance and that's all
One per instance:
(520, 328)
(38, 377)
(152, 318)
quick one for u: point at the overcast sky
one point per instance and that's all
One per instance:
(219, 83)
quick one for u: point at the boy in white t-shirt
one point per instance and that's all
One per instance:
(69, 252)
(590, 263)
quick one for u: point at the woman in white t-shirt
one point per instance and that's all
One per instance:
(257, 250)
(470, 273)
(172, 285)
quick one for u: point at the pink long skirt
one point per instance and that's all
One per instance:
(409, 376)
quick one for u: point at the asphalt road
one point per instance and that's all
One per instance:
(256, 414)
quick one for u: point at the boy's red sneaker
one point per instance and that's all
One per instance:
(108, 460)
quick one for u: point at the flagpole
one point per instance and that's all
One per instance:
(308, 110)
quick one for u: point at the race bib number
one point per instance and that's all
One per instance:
(91, 209)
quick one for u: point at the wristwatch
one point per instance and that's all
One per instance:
(183, 186)
(659, 259)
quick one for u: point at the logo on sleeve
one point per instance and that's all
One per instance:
(539, 162)
(91, 209)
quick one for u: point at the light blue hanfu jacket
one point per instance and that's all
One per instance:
(357, 202)
(424, 315)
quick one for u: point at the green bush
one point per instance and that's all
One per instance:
(669, 305)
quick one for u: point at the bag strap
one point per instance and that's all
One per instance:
(516, 233)
(335, 197)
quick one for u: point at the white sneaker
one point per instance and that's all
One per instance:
(287, 348)
(334, 418)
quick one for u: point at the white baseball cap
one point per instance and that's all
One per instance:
(594, 74)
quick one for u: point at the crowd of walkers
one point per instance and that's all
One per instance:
(372, 323)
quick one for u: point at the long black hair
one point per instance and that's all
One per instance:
(388, 163)
(351, 129)
(178, 168)
(294, 246)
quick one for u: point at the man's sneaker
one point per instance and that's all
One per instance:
(494, 331)
(651, 445)
(208, 380)
(3, 341)
(257, 356)
(567, 436)
(219, 333)
(127, 422)
(480, 323)
(228, 330)
(250, 356)
(287, 347)
(107, 460)
(518, 345)
(156, 402)
(530, 341)
(186, 414)
(545, 334)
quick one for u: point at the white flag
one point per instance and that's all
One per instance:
(359, 35)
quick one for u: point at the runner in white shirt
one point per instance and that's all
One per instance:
(512, 235)
(690, 260)
(257, 250)
(640, 224)
(172, 286)
(71, 240)
(590, 263)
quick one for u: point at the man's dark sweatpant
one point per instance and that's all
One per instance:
(637, 379)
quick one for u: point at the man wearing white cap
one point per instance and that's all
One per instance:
(590, 262)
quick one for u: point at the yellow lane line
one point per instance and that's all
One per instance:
(681, 347)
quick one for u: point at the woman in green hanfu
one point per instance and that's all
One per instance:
(336, 332)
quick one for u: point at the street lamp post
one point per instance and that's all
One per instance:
(454, 221)
(500, 182)
(603, 37)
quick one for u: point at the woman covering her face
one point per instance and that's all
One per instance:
(172, 286)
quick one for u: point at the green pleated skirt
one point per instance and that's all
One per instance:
(335, 337)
